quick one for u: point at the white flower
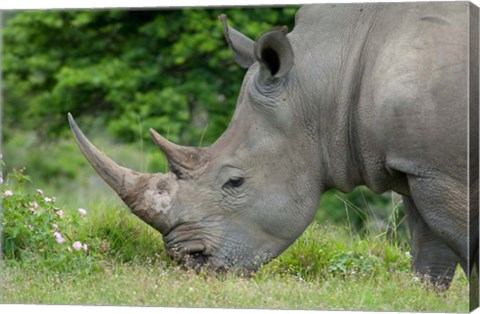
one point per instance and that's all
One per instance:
(39, 191)
(55, 227)
(85, 247)
(60, 213)
(82, 211)
(58, 237)
(8, 193)
(47, 199)
(1, 180)
(77, 245)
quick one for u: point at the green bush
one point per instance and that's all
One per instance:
(35, 231)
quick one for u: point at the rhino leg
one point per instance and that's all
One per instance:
(432, 258)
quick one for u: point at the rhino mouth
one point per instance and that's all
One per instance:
(192, 255)
(198, 261)
(214, 263)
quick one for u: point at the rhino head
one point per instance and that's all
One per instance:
(243, 200)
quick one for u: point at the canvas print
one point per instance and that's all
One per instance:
(320, 157)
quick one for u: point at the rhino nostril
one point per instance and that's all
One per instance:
(196, 260)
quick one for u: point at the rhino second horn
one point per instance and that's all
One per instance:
(180, 157)
(121, 180)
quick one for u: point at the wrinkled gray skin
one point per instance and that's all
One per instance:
(356, 94)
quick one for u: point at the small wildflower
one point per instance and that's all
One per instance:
(32, 210)
(82, 211)
(47, 199)
(60, 213)
(85, 247)
(34, 204)
(8, 193)
(55, 227)
(58, 237)
(1, 180)
(69, 249)
(39, 191)
(77, 245)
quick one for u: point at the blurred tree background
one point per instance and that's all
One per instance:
(170, 70)
(121, 72)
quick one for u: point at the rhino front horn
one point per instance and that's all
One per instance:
(121, 180)
(180, 158)
(149, 196)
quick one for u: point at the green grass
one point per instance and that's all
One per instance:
(158, 285)
(327, 268)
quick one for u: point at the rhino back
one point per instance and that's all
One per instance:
(399, 73)
(417, 106)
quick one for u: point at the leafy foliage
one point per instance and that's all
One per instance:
(35, 231)
(169, 69)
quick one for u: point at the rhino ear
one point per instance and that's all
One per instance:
(241, 45)
(274, 52)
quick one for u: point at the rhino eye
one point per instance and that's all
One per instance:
(234, 183)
